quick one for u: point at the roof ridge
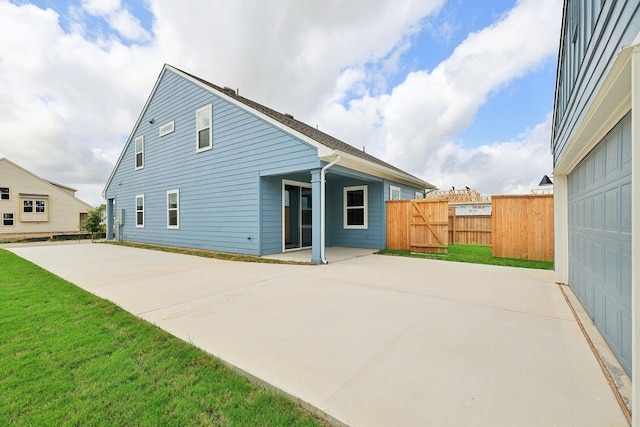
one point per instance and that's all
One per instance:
(299, 126)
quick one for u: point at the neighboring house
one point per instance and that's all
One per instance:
(596, 135)
(32, 205)
(207, 168)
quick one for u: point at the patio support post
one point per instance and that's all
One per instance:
(109, 219)
(316, 220)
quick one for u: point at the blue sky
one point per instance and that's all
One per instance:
(510, 109)
(456, 92)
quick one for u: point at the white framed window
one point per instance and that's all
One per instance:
(173, 209)
(203, 129)
(139, 160)
(33, 208)
(419, 195)
(140, 211)
(355, 207)
(5, 193)
(394, 193)
(166, 128)
(7, 219)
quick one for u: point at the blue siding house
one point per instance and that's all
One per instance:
(207, 168)
(595, 141)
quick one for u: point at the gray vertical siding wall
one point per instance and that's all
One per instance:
(602, 29)
(220, 190)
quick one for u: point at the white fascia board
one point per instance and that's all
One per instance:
(361, 165)
(609, 106)
(323, 150)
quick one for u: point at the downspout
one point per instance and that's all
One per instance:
(322, 209)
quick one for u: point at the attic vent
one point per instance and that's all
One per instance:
(288, 115)
(228, 90)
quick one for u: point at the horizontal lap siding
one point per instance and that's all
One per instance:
(336, 235)
(271, 211)
(219, 189)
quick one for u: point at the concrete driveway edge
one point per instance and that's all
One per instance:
(621, 381)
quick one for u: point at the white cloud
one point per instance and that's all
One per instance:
(509, 167)
(118, 17)
(285, 53)
(424, 114)
(65, 102)
(69, 99)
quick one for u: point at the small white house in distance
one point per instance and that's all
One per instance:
(32, 205)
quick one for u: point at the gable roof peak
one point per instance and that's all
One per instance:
(290, 122)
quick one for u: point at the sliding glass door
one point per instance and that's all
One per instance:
(296, 205)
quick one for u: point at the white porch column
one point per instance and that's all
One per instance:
(635, 234)
(316, 220)
(561, 228)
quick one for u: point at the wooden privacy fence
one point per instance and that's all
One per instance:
(469, 229)
(419, 225)
(522, 227)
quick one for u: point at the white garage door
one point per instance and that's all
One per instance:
(600, 237)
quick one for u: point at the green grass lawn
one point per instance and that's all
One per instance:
(70, 358)
(474, 254)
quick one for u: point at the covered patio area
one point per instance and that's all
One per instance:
(332, 253)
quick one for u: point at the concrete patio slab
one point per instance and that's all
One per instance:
(371, 340)
(332, 254)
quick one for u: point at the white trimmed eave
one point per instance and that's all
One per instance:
(324, 153)
(361, 165)
(323, 150)
(609, 106)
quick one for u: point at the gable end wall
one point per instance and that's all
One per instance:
(219, 188)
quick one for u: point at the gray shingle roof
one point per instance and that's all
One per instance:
(297, 125)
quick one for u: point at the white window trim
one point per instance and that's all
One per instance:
(210, 146)
(366, 209)
(13, 219)
(9, 199)
(135, 152)
(419, 194)
(141, 196)
(393, 188)
(44, 206)
(177, 226)
(166, 128)
(34, 206)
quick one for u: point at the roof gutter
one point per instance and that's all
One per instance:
(365, 166)
(322, 209)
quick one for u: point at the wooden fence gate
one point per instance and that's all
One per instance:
(420, 225)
